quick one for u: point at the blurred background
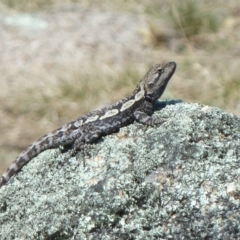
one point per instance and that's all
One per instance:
(60, 59)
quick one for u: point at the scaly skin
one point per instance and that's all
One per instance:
(86, 129)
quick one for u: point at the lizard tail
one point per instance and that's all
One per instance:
(20, 161)
(31, 152)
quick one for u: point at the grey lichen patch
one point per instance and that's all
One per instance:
(176, 180)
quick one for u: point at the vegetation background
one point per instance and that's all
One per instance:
(61, 59)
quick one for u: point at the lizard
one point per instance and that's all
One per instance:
(88, 128)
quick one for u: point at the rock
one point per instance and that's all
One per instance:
(25, 21)
(179, 180)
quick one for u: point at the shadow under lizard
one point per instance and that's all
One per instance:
(86, 129)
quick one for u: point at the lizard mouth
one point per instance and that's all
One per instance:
(170, 68)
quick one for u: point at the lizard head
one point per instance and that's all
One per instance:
(156, 80)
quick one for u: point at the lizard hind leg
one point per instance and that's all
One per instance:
(87, 139)
(66, 148)
(84, 144)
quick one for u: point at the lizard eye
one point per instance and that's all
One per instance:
(150, 85)
(159, 69)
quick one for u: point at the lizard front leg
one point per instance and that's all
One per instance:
(143, 118)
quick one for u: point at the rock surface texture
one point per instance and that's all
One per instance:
(179, 180)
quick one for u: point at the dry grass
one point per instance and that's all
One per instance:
(191, 17)
(27, 5)
(201, 36)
